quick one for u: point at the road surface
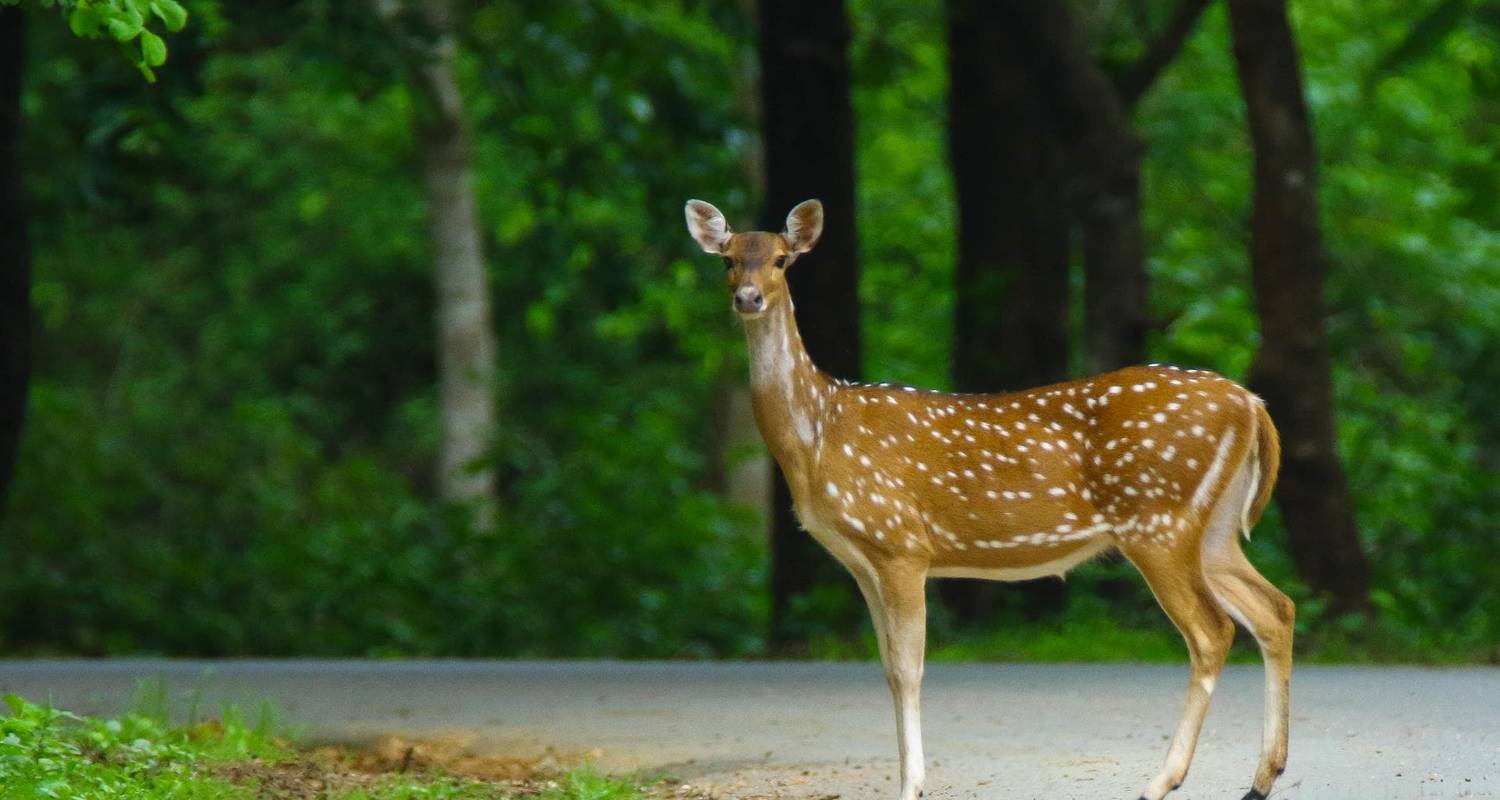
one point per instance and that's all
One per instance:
(818, 730)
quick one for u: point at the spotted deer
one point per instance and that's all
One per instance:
(901, 484)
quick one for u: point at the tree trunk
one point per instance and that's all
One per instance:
(1292, 371)
(1088, 121)
(1094, 122)
(1115, 282)
(15, 270)
(1009, 174)
(808, 126)
(465, 333)
(1114, 263)
(1040, 141)
(1011, 293)
(739, 467)
(1116, 290)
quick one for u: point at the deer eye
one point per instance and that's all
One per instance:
(728, 262)
(781, 262)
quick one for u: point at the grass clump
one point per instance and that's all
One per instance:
(46, 752)
(579, 785)
(50, 753)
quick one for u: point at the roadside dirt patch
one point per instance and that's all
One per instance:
(452, 756)
(330, 771)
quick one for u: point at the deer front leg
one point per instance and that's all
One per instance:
(898, 606)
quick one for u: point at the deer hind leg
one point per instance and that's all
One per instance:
(1177, 581)
(898, 605)
(1268, 615)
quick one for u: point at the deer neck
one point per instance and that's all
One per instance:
(788, 392)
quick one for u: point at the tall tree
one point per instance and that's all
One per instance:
(1107, 191)
(1011, 299)
(740, 467)
(465, 331)
(1030, 107)
(1042, 147)
(15, 270)
(1289, 266)
(1105, 198)
(1089, 113)
(1009, 173)
(808, 126)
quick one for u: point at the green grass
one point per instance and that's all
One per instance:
(1090, 630)
(46, 752)
(580, 785)
(1069, 639)
(50, 753)
(1100, 641)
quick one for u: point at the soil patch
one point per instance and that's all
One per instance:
(331, 771)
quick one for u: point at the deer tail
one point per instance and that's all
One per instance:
(1268, 464)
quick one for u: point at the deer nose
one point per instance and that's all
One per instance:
(748, 300)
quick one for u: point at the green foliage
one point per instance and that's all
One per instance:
(236, 393)
(905, 191)
(1091, 631)
(579, 785)
(1414, 292)
(127, 22)
(583, 784)
(46, 752)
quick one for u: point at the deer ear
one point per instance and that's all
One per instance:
(708, 226)
(804, 226)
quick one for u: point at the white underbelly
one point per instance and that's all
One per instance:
(1057, 566)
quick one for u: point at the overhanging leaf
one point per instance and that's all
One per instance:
(123, 29)
(172, 14)
(153, 49)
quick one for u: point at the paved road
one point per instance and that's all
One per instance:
(815, 730)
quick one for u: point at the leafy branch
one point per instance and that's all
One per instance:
(127, 22)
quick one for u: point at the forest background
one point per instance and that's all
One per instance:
(230, 396)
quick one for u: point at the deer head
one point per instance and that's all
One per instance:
(756, 262)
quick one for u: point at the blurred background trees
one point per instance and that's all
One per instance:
(807, 131)
(15, 261)
(1288, 269)
(466, 349)
(234, 425)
